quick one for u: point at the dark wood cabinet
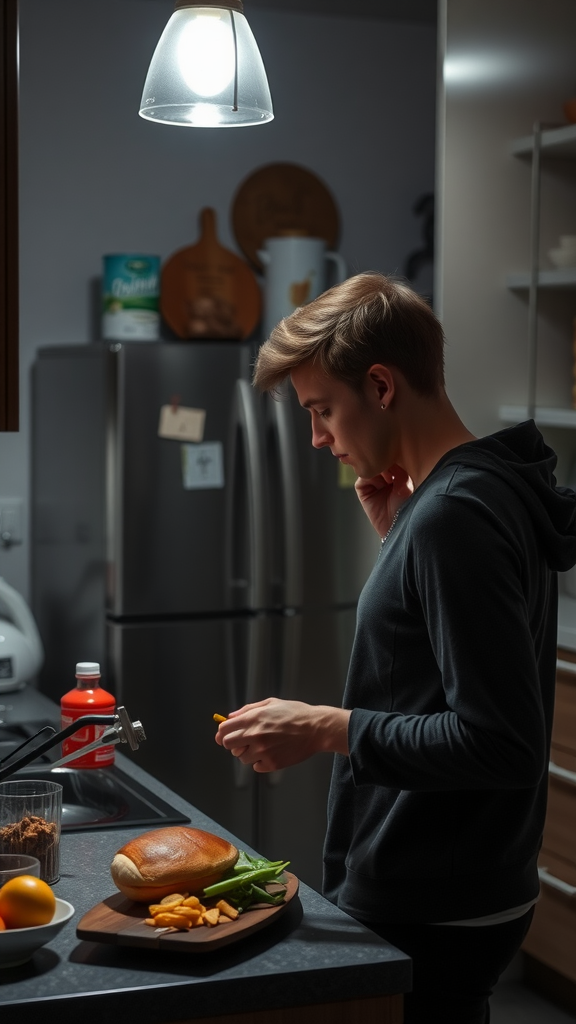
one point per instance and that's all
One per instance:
(551, 941)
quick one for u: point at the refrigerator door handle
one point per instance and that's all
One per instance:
(291, 666)
(249, 677)
(246, 526)
(289, 476)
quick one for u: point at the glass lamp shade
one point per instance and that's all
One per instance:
(206, 71)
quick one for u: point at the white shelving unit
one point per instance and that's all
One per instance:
(543, 144)
(553, 142)
(543, 417)
(562, 278)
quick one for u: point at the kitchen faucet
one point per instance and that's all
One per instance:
(120, 730)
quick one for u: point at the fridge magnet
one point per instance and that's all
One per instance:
(202, 465)
(179, 423)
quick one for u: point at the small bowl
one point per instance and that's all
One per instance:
(563, 257)
(17, 945)
(13, 864)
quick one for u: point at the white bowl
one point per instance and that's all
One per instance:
(563, 257)
(13, 864)
(18, 944)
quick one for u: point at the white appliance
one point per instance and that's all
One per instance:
(21, 651)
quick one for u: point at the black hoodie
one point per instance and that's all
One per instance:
(437, 814)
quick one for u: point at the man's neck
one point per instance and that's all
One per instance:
(432, 428)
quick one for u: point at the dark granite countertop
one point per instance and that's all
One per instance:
(314, 953)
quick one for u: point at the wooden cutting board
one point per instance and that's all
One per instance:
(207, 291)
(120, 921)
(280, 199)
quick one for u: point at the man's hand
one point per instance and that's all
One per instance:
(382, 496)
(274, 734)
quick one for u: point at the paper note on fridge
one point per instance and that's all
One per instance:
(202, 465)
(180, 423)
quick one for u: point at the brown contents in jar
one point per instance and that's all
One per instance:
(33, 836)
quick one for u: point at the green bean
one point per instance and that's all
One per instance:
(266, 874)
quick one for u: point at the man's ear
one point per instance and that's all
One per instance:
(380, 382)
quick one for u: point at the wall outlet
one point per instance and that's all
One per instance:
(10, 521)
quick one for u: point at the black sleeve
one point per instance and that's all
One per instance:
(468, 570)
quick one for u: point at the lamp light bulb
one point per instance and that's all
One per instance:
(206, 54)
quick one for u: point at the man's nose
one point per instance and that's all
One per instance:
(321, 436)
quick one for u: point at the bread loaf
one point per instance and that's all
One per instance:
(167, 860)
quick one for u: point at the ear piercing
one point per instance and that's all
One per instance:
(382, 406)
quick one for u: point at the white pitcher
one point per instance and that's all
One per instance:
(296, 271)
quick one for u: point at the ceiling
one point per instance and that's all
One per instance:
(422, 11)
(398, 10)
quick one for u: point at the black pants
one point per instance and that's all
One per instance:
(454, 969)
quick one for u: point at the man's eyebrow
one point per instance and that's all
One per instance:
(313, 401)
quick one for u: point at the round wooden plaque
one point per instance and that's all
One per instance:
(280, 199)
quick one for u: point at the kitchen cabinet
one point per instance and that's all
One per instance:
(9, 318)
(551, 940)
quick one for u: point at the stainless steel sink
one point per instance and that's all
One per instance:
(95, 798)
(92, 798)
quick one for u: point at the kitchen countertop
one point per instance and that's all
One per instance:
(313, 954)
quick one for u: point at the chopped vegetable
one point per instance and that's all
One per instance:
(245, 884)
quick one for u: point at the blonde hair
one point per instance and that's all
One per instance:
(370, 318)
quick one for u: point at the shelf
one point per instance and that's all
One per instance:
(544, 417)
(567, 621)
(555, 142)
(564, 277)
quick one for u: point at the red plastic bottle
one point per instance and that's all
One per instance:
(87, 698)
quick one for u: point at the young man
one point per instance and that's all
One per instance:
(438, 795)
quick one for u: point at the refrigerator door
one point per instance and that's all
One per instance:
(291, 812)
(173, 677)
(166, 498)
(328, 546)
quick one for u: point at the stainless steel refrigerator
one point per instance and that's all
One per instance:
(202, 574)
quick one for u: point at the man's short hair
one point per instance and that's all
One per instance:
(368, 319)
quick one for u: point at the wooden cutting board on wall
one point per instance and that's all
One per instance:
(207, 291)
(280, 199)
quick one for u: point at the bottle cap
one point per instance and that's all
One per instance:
(87, 668)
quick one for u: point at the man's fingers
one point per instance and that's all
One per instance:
(238, 751)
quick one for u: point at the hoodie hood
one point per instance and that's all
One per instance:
(520, 456)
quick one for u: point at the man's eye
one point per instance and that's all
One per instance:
(324, 414)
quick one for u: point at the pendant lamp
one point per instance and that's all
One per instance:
(206, 71)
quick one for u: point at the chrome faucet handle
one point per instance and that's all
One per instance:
(119, 729)
(129, 732)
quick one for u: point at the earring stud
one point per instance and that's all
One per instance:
(382, 406)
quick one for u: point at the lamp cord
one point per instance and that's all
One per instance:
(235, 107)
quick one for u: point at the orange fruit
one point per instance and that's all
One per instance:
(26, 901)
